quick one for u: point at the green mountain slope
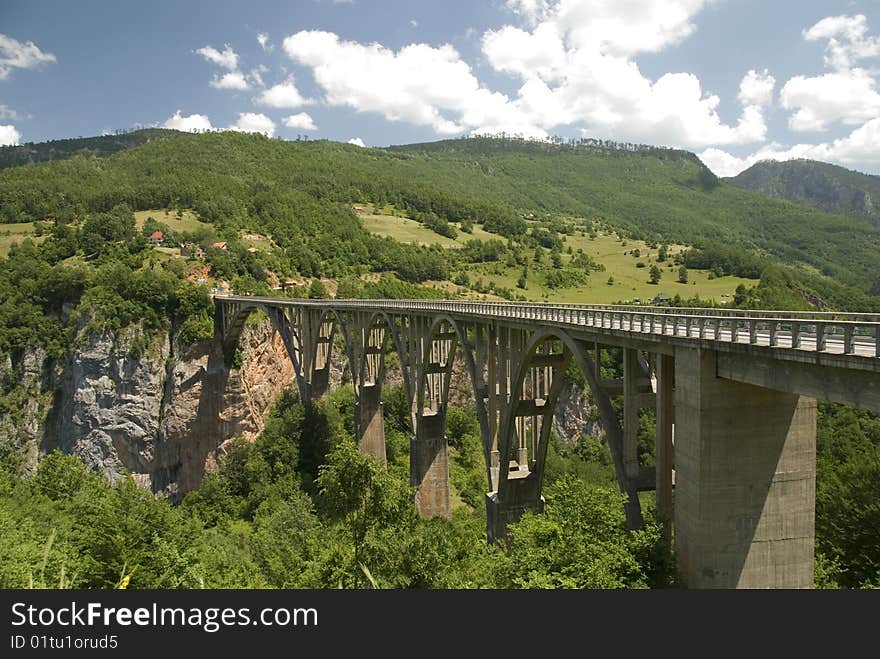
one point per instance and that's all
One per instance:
(827, 187)
(104, 145)
(240, 180)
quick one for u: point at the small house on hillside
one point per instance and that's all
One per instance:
(359, 209)
(219, 245)
(191, 249)
(156, 238)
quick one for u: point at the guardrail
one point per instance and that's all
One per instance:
(856, 334)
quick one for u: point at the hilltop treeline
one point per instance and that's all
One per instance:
(235, 180)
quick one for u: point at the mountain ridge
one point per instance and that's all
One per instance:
(824, 186)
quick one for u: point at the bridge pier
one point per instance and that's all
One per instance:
(745, 471)
(429, 466)
(521, 495)
(371, 422)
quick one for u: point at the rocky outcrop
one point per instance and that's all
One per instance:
(149, 407)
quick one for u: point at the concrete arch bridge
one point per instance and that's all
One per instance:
(737, 389)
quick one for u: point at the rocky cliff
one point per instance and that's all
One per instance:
(154, 408)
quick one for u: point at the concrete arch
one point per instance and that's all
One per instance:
(231, 328)
(606, 412)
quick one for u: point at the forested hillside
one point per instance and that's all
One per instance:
(824, 186)
(105, 145)
(237, 181)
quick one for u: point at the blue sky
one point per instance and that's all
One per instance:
(732, 80)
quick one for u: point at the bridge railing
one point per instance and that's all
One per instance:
(855, 334)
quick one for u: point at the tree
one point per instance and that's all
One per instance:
(655, 274)
(682, 275)
(521, 282)
(661, 254)
(317, 291)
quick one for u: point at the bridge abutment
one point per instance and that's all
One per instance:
(429, 466)
(745, 472)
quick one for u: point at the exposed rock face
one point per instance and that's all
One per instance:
(160, 415)
(23, 424)
(576, 414)
(111, 402)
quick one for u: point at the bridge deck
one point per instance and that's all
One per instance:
(843, 340)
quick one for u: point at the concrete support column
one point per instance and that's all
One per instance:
(664, 451)
(520, 495)
(745, 470)
(429, 466)
(371, 422)
(320, 383)
(631, 412)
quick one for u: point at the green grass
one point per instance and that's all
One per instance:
(404, 230)
(187, 222)
(630, 282)
(15, 233)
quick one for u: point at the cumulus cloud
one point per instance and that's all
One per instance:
(231, 80)
(419, 84)
(757, 88)
(252, 122)
(9, 135)
(622, 27)
(576, 65)
(862, 146)
(189, 123)
(301, 120)
(848, 40)
(574, 60)
(357, 141)
(228, 59)
(17, 55)
(848, 94)
(284, 95)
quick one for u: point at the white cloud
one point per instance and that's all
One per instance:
(190, 123)
(8, 113)
(357, 141)
(847, 40)
(284, 95)
(228, 59)
(17, 55)
(263, 40)
(419, 84)
(301, 120)
(231, 80)
(577, 68)
(413, 23)
(757, 88)
(862, 146)
(618, 27)
(9, 135)
(252, 122)
(847, 96)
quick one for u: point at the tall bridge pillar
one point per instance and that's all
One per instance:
(371, 421)
(429, 465)
(745, 480)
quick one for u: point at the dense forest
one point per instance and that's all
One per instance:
(300, 506)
